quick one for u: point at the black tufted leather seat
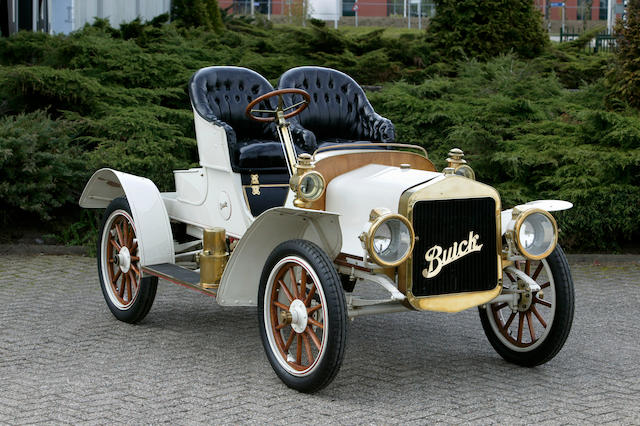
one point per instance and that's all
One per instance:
(220, 95)
(339, 111)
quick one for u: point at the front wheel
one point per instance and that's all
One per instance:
(128, 295)
(302, 315)
(536, 331)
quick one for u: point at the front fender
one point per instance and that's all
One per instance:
(240, 280)
(548, 205)
(155, 240)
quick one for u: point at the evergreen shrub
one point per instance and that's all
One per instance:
(106, 97)
(41, 166)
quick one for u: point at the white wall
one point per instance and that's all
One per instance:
(327, 10)
(118, 11)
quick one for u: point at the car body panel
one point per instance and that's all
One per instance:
(239, 284)
(354, 194)
(155, 240)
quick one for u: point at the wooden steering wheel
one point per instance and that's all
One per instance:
(300, 105)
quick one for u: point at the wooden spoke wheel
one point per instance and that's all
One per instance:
(128, 295)
(302, 315)
(537, 328)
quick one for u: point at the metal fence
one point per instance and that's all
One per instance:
(602, 42)
(557, 14)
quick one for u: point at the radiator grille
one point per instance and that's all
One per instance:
(447, 224)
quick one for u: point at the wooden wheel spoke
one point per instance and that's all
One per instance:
(537, 314)
(313, 309)
(134, 269)
(303, 283)
(119, 232)
(294, 283)
(135, 258)
(133, 280)
(537, 271)
(513, 280)
(545, 285)
(314, 322)
(530, 324)
(281, 326)
(129, 289)
(286, 290)
(520, 326)
(114, 279)
(312, 292)
(527, 267)
(299, 350)
(509, 321)
(281, 305)
(313, 336)
(307, 348)
(115, 244)
(289, 341)
(131, 235)
(542, 302)
(123, 283)
(125, 233)
(497, 307)
(134, 247)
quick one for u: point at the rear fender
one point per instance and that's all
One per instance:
(155, 240)
(241, 278)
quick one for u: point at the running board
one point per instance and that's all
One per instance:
(179, 275)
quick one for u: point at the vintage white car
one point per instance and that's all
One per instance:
(302, 195)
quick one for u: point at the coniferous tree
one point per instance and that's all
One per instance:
(197, 13)
(486, 28)
(624, 78)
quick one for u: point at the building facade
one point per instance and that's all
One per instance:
(64, 16)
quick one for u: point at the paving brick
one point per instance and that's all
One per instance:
(65, 359)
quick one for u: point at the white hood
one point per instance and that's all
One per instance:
(355, 193)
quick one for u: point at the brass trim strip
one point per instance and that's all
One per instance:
(454, 302)
(343, 147)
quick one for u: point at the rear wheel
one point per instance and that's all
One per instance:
(535, 332)
(128, 295)
(302, 315)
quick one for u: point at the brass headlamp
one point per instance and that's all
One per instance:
(307, 184)
(532, 232)
(388, 237)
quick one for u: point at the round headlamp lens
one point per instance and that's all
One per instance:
(311, 186)
(466, 171)
(537, 235)
(382, 238)
(392, 241)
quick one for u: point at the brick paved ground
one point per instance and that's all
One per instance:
(64, 358)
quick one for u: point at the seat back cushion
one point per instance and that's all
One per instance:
(223, 93)
(337, 104)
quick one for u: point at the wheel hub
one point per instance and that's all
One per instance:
(123, 259)
(299, 316)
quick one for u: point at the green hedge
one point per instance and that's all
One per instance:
(528, 136)
(103, 97)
